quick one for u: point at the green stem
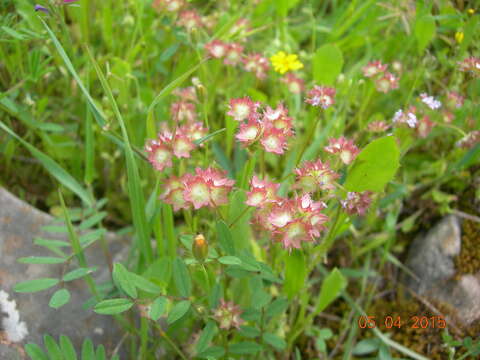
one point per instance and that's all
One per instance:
(245, 210)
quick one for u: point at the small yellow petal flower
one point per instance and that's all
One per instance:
(471, 11)
(459, 35)
(283, 62)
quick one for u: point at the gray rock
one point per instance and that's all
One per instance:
(431, 259)
(19, 225)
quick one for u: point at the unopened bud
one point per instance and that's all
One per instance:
(200, 248)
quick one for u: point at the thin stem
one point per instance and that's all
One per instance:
(245, 210)
(172, 344)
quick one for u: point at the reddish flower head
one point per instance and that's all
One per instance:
(424, 127)
(378, 126)
(314, 175)
(173, 193)
(183, 110)
(190, 19)
(294, 83)
(242, 108)
(374, 68)
(274, 140)
(159, 154)
(228, 315)
(217, 48)
(347, 150)
(321, 96)
(387, 82)
(261, 192)
(471, 64)
(454, 100)
(357, 203)
(249, 132)
(234, 54)
(256, 64)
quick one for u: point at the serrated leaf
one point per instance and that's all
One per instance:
(123, 280)
(68, 350)
(181, 277)
(88, 351)
(230, 260)
(41, 260)
(327, 64)
(158, 308)
(35, 352)
(375, 166)
(78, 273)
(206, 336)
(31, 286)
(113, 306)
(275, 341)
(178, 311)
(59, 298)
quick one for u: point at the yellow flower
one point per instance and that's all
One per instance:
(471, 11)
(459, 35)
(283, 62)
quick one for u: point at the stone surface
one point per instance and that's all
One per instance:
(431, 259)
(20, 224)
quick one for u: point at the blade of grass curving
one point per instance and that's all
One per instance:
(135, 194)
(89, 143)
(97, 112)
(151, 130)
(53, 168)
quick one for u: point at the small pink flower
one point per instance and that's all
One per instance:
(159, 154)
(357, 203)
(378, 126)
(183, 110)
(195, 131)
(471, 64)
(241, 27)
(257, 64)
(314, 175)
(217, 48)
(190, 19)
(294, 83)
(374, 68)
(430, 101)
(242, 108)
(186, 94)
(281, 214)
(182, 145)
(408, 118)
(249, 132)
(169, 5)
(234, 54)
(173, 193)
(424, 127)
(470, 140)
(347, 150)
(274, 140)
(321, 96)
(228, 315)
(261, 192)
(387, 82)
(455, 100)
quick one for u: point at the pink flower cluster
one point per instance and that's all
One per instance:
(181, 141)
(346, 149)
(321, 96)
(385, 81)
(232, 54)
(271, 128)
(470, 64)
(227, 315)
(290, 221)
(357, 203)
(294, 83)
(209, 187)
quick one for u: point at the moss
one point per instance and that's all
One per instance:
(468, 261)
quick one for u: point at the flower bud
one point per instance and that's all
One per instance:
(200, 248)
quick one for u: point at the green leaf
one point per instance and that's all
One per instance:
(158, 308)
(101, 354)
(68, 350)
(249, 331)
(215, 352)
(31, 286)
(88, 351)
(59, 298)
(327, 64)
(53, 168)
(208, 136)
(295, 273)
(52, 347)
(78, 273)
(375, 166)
(283, 6)
(245, 348)
(123, 279)
(332, 286)
(41, 260)
(230, 260)
(181, 276)
(225, 238)
(178, 311)
(35, 352)
(144, 284)
(113, 306)
(206, 337)
(424, 31)
(275, 341)
(277, 307)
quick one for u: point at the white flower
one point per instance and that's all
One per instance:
(15, 329)
(431, 102)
